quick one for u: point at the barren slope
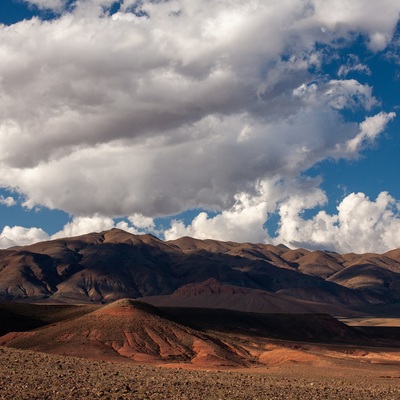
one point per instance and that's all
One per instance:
(132, 331)
(129, 329)
(213, 294)
(106, 266)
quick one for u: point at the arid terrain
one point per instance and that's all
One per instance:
(32, 375)
(131, 350)
(114, 316)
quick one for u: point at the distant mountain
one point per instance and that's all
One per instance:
(212, 294)
(107, 266)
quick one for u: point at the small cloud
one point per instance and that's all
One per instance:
(8, 201)
(353, 64)
(54, 5)
(21, 236)
(378, 41)
(370, 128)
(142, 222)
(83, 224)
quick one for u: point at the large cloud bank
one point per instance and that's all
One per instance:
(166, 106)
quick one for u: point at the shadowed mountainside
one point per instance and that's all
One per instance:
(20, 317)
(106, 266)
(214, 294)
(131, 330)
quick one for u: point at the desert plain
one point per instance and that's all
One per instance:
(33, 375)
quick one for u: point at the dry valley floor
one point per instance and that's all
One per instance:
(26, 374)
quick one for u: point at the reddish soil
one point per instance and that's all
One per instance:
(121, 347)
(29, 375)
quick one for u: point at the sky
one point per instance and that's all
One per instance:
(250, 121)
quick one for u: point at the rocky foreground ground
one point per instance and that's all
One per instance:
(32, 375)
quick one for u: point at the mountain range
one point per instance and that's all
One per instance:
(111, 265)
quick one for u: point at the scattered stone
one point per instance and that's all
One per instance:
(36, 376)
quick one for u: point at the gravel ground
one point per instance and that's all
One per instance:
(31, 375)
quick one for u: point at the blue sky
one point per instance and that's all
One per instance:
(267, 122)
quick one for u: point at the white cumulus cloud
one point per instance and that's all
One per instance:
(140, 221)
(360, 225)
(20, 236)
(243, 222)
(81, 225)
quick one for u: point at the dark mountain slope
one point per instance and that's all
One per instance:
(103, 267)
(133, 330)
(213, 294)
